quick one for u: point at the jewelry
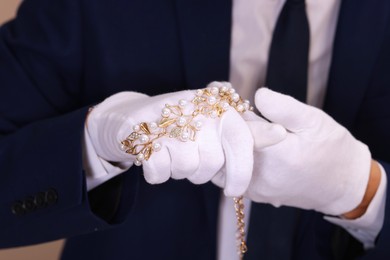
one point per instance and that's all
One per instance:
(241, 244)
(210, 102)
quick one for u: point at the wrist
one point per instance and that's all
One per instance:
(372, 187)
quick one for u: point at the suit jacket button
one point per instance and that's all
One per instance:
(29, 204)
(39, 200)
(18, 208)
(51, 196)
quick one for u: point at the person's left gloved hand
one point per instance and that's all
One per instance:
(318, 166)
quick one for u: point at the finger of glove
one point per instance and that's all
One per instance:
(219, 179)
(266, 134)
(211, 156)
(158, 168)
(184, 158)
(285, 110)
(237, 143)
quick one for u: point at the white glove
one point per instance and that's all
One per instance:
(319, 165)
(222, 142)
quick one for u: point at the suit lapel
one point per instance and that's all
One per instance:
(204, 29)
(359, 36)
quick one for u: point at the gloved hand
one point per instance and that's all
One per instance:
(221, 142)
(319, 165)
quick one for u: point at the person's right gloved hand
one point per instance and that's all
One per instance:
(223, 142)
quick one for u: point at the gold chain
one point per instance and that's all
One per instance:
(240, 215)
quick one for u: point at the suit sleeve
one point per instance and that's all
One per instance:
(43, 193)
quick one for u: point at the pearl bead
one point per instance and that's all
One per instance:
(156, 147)
(235, 97)
(214, 91)
(246, 106)
(198, 125)
(153, 125)
(140, 157)
(166, 112)
(223, 89)
(240, 108)
(137, 163)
(247, 101)
(213, 114)
(181, 121)
(211, 100)
(123, 147)
(185, 136)
(136, 128)
(232, 91)
(199, 92)
(225, 105)
(182, 102)
(144, 139)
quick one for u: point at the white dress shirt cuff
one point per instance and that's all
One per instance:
(367, 227)
(97, 169)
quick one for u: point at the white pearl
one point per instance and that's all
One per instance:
(199, 92)
(165, 112)
(144, 139)
(224, 105)
(123, 147)
(214, 91)
(213, 114)
(136, 128)
(152, 125)
(240, 108)
(223, 88)
(198, 125)
(185, 136)
(211, 100)
(182, 102)
(247, 101)
(232, 91)
(235, 97)
(246, 106)
(137, 163)
(156, 147)
(140, 157)
(181, 121)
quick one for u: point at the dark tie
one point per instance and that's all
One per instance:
(271, 230)
(289, 51)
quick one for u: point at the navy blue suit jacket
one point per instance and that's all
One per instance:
(60, 57)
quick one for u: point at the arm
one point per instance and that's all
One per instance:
(41, 126)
